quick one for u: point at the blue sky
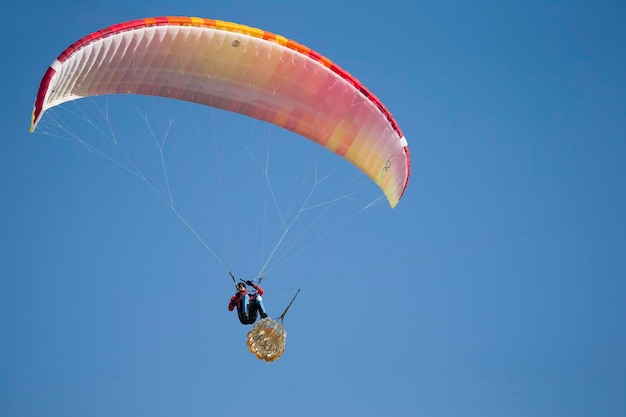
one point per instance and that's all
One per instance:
(496, 287)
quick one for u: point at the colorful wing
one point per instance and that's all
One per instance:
(241, 69)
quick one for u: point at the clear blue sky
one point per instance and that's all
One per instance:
(495, 288)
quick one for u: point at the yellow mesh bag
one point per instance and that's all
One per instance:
(267, 339)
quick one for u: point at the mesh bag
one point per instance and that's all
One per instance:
(267, 339)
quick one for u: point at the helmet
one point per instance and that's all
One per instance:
(241, 286)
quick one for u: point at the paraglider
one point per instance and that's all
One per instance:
(247, 71)
(267, 339)
(247, 304)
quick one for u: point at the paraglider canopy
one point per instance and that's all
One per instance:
(241, 69)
